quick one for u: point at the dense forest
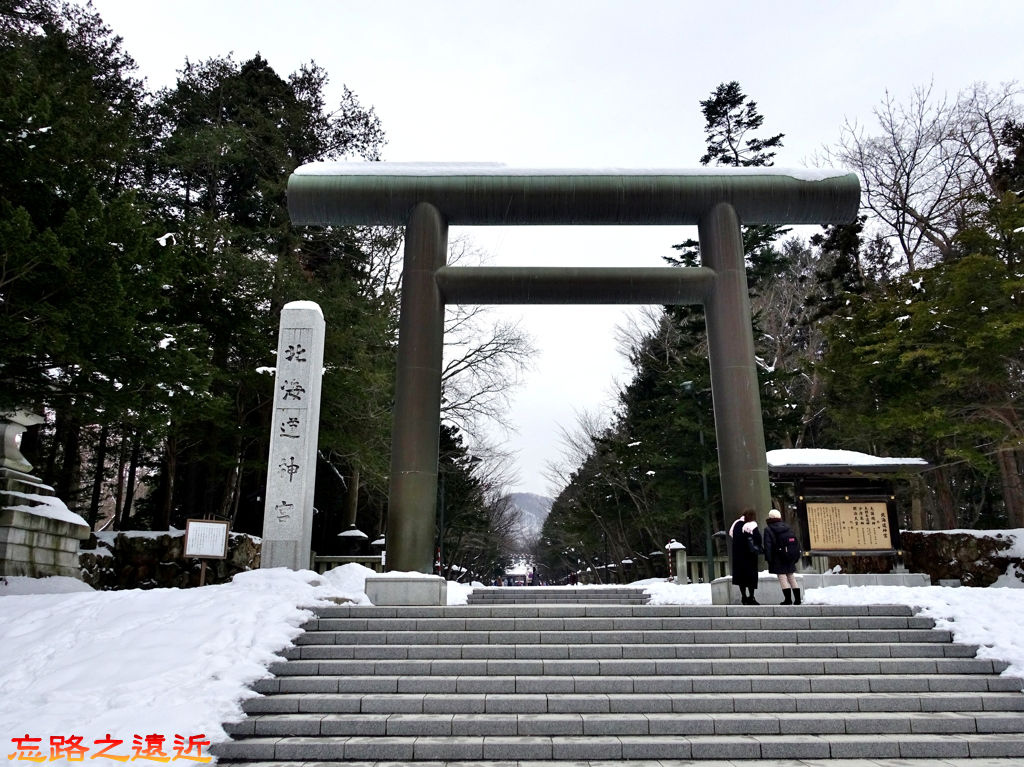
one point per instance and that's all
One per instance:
(899, 335)
(145, 253)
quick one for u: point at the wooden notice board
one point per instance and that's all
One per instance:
(849, 525)
(206, 539)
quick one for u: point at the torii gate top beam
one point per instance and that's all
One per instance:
(348, 194)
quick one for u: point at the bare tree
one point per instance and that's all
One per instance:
(923, 164)
(483, 358)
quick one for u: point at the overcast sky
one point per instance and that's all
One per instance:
(587, 83)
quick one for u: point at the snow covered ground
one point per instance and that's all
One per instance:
(156, 669)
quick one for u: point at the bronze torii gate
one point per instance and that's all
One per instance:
(427, 198)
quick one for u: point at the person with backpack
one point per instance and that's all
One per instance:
(746, 546)
(782, 550)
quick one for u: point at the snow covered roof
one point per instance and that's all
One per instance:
(819, 460)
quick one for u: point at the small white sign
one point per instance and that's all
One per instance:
(206, 539)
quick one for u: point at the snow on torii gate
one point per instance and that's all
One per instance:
(427, 198)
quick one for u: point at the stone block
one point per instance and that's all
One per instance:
(463, 703)
(580, 703)
(516, 704)
(554, 724)
(794, 747)
(461, 748)
(374, 749)
(859, 747)
(289, 725)
(329, 704)
(995, 747)
(249, 749)
(356, 724)
(518, 748)
(584, 748)
(427, 684)
(410, 590)
(934, 747)
(276, 704)
(725, 748)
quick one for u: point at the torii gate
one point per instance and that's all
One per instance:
(427, 198)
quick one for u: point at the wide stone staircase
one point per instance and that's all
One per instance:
(533, 684)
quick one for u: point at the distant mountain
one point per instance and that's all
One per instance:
(533, 510)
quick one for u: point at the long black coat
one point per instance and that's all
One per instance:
(777, 530)
(744, 561)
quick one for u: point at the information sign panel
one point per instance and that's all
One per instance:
(849, 526)
(206, 539)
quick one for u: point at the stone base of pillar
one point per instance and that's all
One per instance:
(38, 539)
(396, 590)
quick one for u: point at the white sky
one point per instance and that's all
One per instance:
(587, 83)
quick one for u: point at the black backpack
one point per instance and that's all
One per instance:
(788, 549)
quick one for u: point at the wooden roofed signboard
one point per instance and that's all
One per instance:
(850, 526)
(844, 500)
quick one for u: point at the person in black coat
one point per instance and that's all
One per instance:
(746, 546)
(775, 533)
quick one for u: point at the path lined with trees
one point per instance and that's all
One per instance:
(900, 335)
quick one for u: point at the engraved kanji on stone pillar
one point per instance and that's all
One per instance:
(291, 469)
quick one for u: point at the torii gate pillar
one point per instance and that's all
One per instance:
(739, 430)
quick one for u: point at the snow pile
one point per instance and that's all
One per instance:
(45, 506)
(167, 661)
(822, 457)
(992, 618)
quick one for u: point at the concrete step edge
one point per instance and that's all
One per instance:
(428, 748)
(857, 723)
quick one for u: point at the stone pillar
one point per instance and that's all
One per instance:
(412, 497)
(291, 471)
(739, 430)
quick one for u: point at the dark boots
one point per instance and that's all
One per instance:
(788, 594)
(796, 596)
(744, 599)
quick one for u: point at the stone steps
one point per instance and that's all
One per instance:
(743, 723)
(608, 650)
(448, 749)
(514, 595)
(583, 703)
(581, 683)
(636, 668)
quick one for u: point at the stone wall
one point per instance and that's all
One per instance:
(972, 558)
(38, 546)
(150, 560)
